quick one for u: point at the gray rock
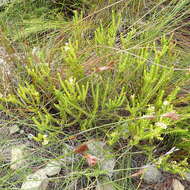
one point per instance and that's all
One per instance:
(52, 168)
(104, 184)
(36, 181)
(102, 152)
(108, 165)
(18, 156)
(22, 132)
(97, 148)
(5, 131)
(13, 129)
(187, 176)
(68, 156)
(151, 174)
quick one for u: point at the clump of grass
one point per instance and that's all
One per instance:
(121, 81)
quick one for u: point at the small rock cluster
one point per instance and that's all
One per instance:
(152, 175)
(39, 180)
(18, 156)
(8, 152)
(106, 163)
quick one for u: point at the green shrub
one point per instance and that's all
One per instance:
(120, 85)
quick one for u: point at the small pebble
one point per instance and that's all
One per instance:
(36, 181)
(151, 174)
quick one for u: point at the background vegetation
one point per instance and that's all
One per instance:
(112, 70)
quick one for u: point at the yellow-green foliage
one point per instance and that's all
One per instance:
(116, 84)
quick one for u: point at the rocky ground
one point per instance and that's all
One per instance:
(17, 155)
(43, 165)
